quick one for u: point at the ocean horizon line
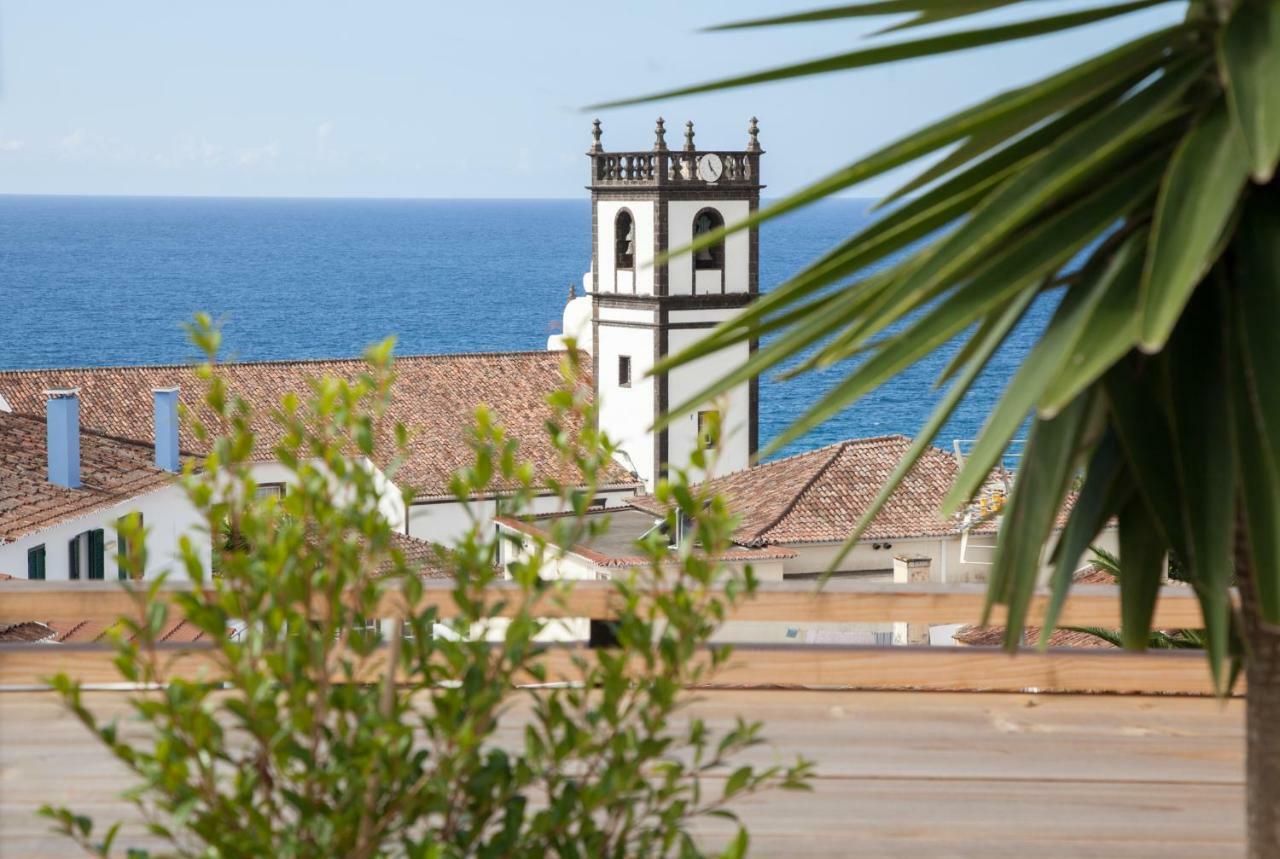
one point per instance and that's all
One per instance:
(330, 198)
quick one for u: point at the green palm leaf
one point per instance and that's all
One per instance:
(1198, 198)
(1249, 54)
(929, 47)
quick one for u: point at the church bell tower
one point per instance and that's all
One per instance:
(644, 203)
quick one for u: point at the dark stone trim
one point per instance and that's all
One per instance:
(753, 395)
(669, 193)
(672, 326)
(661, 273)
(753, 288)
(661, 442)
(729, 300)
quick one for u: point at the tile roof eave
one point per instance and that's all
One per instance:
(611, 561)
(289, 362)
(500, 493)
(105, 504)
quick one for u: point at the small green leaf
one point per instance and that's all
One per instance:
(1110, 328)
(1257, 372)
(1249, 56)
(864, 10)
(1038, 494)
(1142, 555)
(1196, 201)
(1199, 394)
(1106, 487)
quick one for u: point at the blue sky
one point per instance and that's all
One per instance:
(425, 99)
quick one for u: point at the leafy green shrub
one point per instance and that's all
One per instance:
(307, 739)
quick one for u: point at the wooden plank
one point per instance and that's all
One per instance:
(789, 666)
(898, 774)
(837, 602)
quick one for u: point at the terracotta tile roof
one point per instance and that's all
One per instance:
(429, 559)
(435, 396)
(111, 471)
(616, 547)
(993, 636)
(25, 633)
(818, 496)
(64, 631)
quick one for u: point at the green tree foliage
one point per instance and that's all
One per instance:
(308, 738)
(1138, 187)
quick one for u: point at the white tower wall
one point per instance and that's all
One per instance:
(654, 307)
(733, 452)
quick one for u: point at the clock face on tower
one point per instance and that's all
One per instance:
(710, 167)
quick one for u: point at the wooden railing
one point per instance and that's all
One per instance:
(789, 665)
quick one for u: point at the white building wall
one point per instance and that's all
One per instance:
(166, 514)
(627, 414)
(610, 279)
(445, 522)
(735, 406)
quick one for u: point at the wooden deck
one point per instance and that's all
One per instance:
(909, 774)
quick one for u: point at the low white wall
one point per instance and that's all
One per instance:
(166, 514)
(447, 521)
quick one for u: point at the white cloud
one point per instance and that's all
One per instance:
(259, 154)
(72, 142)
(10, 144)
(324, 151)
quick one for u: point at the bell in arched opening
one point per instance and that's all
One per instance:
(711, 256)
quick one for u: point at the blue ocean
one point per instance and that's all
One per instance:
(95, 280)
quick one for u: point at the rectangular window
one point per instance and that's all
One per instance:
(708, 428)
(35, 563)
(368, 628)
(86, 552)
(270, 490)
(624, 371)
(97, 554)
(122, 543)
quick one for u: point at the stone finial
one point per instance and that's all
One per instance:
(660, 136)
(595, 136)
(753, 135)
(688, 137)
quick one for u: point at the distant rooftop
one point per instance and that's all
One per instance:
(819, 496)
(111, 471)
(616, 547)
(435, 397)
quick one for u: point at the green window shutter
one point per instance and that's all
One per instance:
(122, 544)
(97, 549)
(35, 563)
(73, 551)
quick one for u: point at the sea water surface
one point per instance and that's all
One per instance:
(87, 281)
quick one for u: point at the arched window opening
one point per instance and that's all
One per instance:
(712, 256)
(624, 240)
